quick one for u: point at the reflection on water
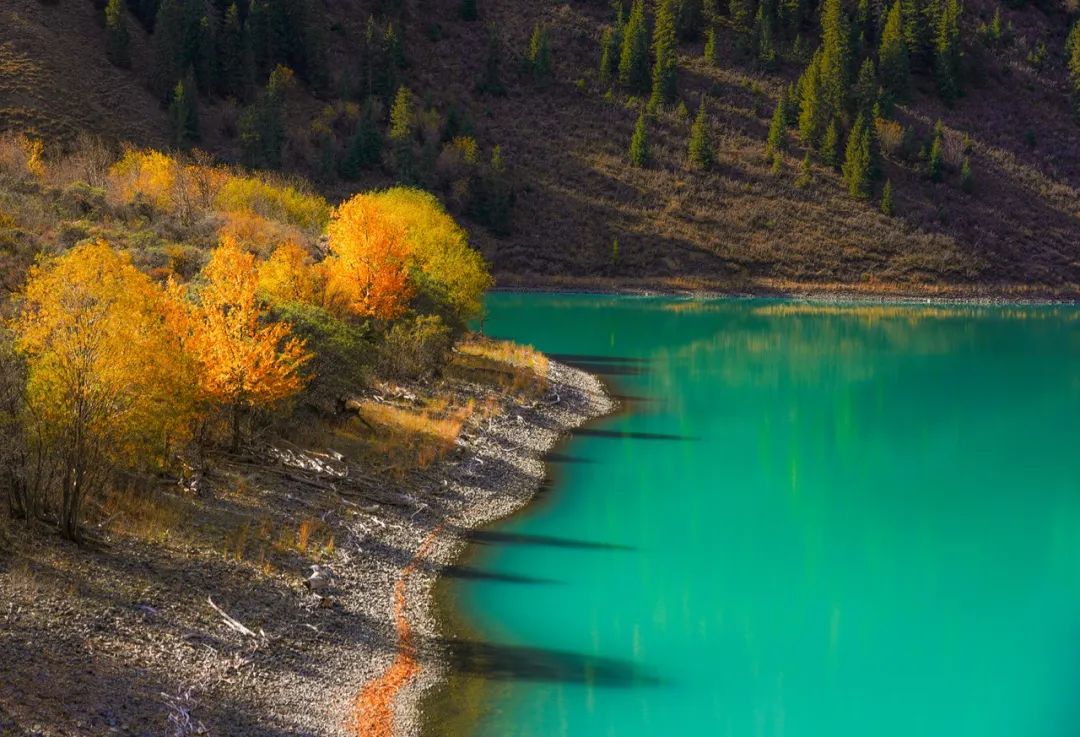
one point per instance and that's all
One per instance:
(822, 520)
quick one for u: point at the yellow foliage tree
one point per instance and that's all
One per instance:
(244, 361)
(106, 387)
(441, 262)
(290, 275)
(367, 270)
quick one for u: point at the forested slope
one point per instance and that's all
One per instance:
(993, 205)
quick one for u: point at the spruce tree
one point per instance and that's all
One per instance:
(365, 147)
(887, 199)
(835, 57)
(608, 56)
(689, 19)
(742, 14)
(893, 54)
(184, 113)
(1072, 41)
(234, 56)
(967, 179)
(665, 67)
(935, 161)
(1074, 65)
(812, 111)
(806, 173)
(712, 50)
(468, 10)
(830, 144)
(856, 169)
(776, 143)
(914, 22)
(491, 81)
(766, 47)
(401, 134)
(540, 54)
(947, 52)
(700, 152)
(634, 54)
(117, 38)
(866, 88)
(639, 143)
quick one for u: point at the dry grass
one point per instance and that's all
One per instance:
(409, 438)
(145, 514)
(518, 369)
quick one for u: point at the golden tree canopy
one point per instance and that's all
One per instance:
(290, 276)
(101, 342)
(244, 361)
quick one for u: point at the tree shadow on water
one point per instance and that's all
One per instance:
(493, 661)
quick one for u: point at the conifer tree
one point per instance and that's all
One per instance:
(365, 146)
(887, 199)
(1072, 41)
(169, 40)
(184, 113)
(835, 57)
(700, 152)
(830, 144)
(665, 66)
(893, 54)
(468, 10)
(234, 56)
(634, 54)
(401, 133)
(1074, 65)
(639, 143)
(866, 89)
(813, 115)
(914, 21)
(540, 54)
(491, 81)
(742, 14)
(947, 52)
(689, 19)
(935, 161)
(608, 56)
(857, 164)
(712, 50)
(117, 38)
(777, 140)
(806, 173)
(967, 178)
(764, 21)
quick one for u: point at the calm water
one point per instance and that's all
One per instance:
(812, 521)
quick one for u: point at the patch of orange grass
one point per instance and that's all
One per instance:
(373, 710)
(525, 369)
(414, 437)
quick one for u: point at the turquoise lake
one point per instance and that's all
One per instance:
(807, 520)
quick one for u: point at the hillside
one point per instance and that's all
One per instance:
(740, 226)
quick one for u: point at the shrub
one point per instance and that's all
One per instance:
(415, 348)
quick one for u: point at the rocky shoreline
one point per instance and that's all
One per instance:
(130, 638)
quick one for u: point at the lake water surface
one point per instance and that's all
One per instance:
(809, 520)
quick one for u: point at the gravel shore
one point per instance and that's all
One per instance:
(121, 638)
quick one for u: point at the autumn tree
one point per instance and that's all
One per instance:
(290, 275)
(244, 362)
(634, 54)
(665, 67)
(117, 38)
(368, 266)
(106, 387)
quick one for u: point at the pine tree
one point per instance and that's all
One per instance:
(468, 10)
(401, 116)
(777, 141)
(1072, 41)
(806, 173)
(812, 111)
(689, 19)
(742, 15)
(639, 143)
(700, 152)
(887, 199)
(117, 38)
(491, 81)
(665, 67)
(914, 22)
(764, 22)
(893, 54)
(184, 113)
(712, 50)
(866, 89)
(234, 56)
(856, 169)
(634, 54)
(967, 179)
(947, 51)
(1074, 64)
(608, 53)
(830, 144)
(170, 36)
(935, 162)
(540, 54)
(835, 58)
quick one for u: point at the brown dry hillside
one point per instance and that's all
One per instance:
(738, 227)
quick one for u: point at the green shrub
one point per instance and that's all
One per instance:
(415, 348)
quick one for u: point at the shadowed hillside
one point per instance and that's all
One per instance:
(742, 225)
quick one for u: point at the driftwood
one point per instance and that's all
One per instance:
(232, 623)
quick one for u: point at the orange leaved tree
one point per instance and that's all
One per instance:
(245, 362)
(106, 386)
(367, 270)
(290, 276)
